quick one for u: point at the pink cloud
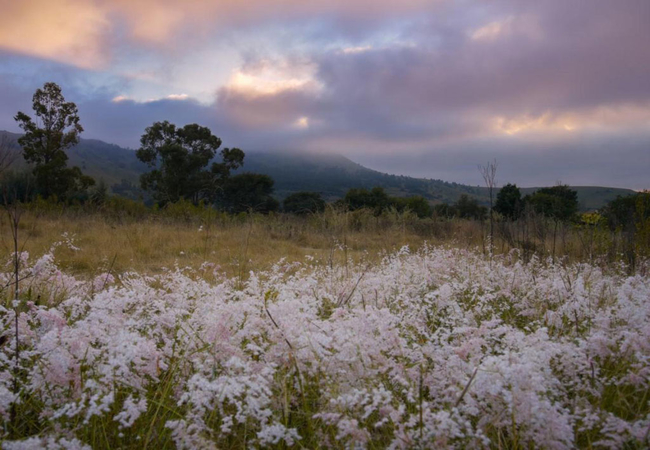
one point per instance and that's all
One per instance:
(69, 31)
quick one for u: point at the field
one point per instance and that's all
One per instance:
(334, 331)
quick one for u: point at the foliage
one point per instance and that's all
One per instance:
(17, 186)
(304, 203)
(249, 192)
(623, 212)
(508, 202)
(45, 145)
(376, 199)
(416, 204)
(99, 194)
(468, 208)
(8, 154)
(642, 223)
(178, 159)
(444, 211)
(558, 202)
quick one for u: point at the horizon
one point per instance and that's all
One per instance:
(316, 152)
(552, 91)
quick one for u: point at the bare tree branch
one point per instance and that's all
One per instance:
(489, 173)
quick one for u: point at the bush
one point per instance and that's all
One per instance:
(304, 203)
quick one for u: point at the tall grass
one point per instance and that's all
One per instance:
(131, 237)
(187, 328)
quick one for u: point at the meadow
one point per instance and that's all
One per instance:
(195, 329)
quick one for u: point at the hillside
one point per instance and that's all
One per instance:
(333, 175)
(330, 174)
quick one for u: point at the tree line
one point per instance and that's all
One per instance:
(188, 163)
(184, 162)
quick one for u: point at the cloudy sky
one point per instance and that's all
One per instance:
(554, 90)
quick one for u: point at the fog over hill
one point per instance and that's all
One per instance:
(330, 174)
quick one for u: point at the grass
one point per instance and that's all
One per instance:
(148, 241)
(235, 245)
(352, 245)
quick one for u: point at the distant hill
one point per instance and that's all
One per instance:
(333, 175)
(100, 160)
(330, 174)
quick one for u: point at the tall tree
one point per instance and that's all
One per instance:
(558, 202)
(45, 142)
(179, 159)
(249, 192)
(508, 202)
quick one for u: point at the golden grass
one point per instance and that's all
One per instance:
(187, 236)
(237, 245)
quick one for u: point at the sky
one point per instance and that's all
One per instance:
(556, 91)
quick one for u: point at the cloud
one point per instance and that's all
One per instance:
(70, 31)
(87, 34)
(272, 77)
(357, 49)
(430, 81)
(167, 18)
(583, 161)
(492, 30)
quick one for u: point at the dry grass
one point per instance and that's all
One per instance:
(187, 236)
(236, 244)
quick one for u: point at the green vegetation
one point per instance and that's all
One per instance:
(249, 192)
(45, 141)
(378, 201)
(178, 158)
(304, 203)
(509, 203)
(557, 202)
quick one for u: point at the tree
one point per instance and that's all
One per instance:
(489, 176)
(7, 154)
(249, 192)
(559, 203)
(468, 208)
(420, 206)
(179, 158)
(624, 212)
(508, 202)
(444, 210)
(45, 146)
(416, 204)
(304, 203)
(376, 199)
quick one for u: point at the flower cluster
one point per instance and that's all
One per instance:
(443, 348)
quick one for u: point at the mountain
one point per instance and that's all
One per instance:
(98, 159)
(330, 174)
(333, 175)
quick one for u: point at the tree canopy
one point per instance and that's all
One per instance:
(44, 145)
(417, 204)
(179, 159)
(558, 202)
(509, 202)
(249, 192)
(468, 208)
(304, 203)
(375, 199)
(629, 211)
